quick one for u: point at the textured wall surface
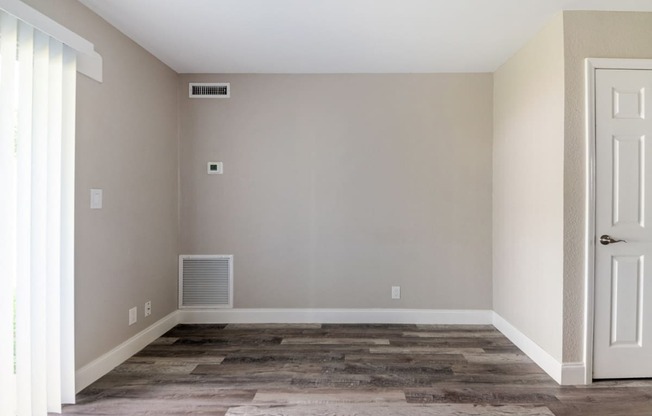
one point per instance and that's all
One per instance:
(126, 253)
(528, 148)
(587, 35)
(337, 187)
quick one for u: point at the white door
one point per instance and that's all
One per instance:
(623, 270)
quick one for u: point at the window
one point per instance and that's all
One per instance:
(37, 122)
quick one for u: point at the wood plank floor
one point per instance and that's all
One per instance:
(347, 370)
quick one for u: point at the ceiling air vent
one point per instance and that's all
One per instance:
(209, 90)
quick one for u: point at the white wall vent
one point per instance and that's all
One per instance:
(205, 281)
(209, 90)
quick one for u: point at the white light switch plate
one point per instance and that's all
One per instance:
(133, 315)
(96, 199)
(396, 292)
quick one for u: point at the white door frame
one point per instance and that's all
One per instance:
(591, 65)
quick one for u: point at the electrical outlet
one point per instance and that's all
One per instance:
(133, 315)
(148, 308)
(396, 292)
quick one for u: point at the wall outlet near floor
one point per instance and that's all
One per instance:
(148, 308)
(396, 292)
(133, 315)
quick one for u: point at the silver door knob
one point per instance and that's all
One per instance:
(606, 240)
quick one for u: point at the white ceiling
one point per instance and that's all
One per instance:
(337, 36)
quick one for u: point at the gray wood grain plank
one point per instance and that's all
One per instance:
(330, 369)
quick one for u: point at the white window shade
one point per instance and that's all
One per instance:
(89, 62)
(37, 142)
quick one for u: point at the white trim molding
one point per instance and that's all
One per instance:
(97, 368)
(89, 62)
(339, 316)
(566, 374)
(590, 66)
(573, 374)
(544, 360)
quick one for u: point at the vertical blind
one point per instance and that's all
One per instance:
(37, 121)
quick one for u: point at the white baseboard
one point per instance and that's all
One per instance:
(573, 374)
(92, 371)
(339, 316)
(564, 374)
(544, 360)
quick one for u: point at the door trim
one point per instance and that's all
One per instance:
(591, 65)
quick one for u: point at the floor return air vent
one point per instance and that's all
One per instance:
(205, 281)
(209, 90)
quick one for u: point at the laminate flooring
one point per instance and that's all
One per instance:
(346, 370)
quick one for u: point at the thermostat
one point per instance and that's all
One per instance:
(215, 168)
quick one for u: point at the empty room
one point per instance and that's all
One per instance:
(325, 207)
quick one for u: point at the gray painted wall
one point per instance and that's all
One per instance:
(337, 187)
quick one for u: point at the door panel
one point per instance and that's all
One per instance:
(626, 282)
(623, 290)
(628, 181)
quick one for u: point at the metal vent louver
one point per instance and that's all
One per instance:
(205, 281)
(209, 90)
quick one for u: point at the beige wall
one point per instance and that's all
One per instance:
(595, 35)
(528, 147)
(337, 187)
(127, 145)
(528, 229)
